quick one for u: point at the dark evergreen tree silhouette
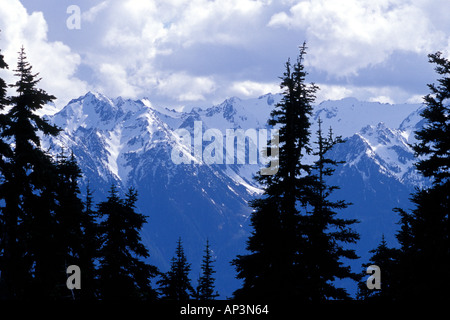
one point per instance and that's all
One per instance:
(206, 288)
(273, 269)
(45, 226)
(122, 274)
(424, 235)
(385, 258)
(5, 150)
(326, 232)
(176, 284)
(90, 246)
(5, 224)
(68, 215)
(297, 243)
(28, 192)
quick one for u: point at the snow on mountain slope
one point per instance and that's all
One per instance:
(113, 131)
(348, 116)
(389, 149)
(129, 143)
(125, 142)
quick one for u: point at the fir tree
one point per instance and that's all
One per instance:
(68, 215)
(176, 284)
(424, 236)
(326, 232)
(434, 137)
(205, 288)
(5, 150)
(5, 153)
(272, 270)
(385, 258)
(297, 243)
(122, 275)
(28, 192)
(89, 251)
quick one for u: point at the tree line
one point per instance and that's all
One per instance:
(417, 269)
(298, 243)
(46, 226)
(296, 247)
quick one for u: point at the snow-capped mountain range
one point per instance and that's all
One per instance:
(129, 143)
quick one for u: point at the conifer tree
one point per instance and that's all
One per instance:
(297, 243)
(28, 191)
(272, 270)
(68, 215)
(326, 232)
(5, 149)
(424, 236)
(5, 153)
(122, 274)
(89, 251)
(385, 258)
(205, 288)
(176, 284)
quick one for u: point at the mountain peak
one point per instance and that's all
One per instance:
(95, 109)
(131, 142)
(95, 95)
(232, 100)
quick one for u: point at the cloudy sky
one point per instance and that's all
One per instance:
(199, 52)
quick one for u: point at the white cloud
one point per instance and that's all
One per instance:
(140, 31)
(182, 22)
(55, 61)
(186, 88)
(382, 99)
(178, 51)
(92, 13)
(332, 92)
(382, 94)
(417, 98)
(249, 88)
(346, 36)
(220, 21)
(116, 80)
